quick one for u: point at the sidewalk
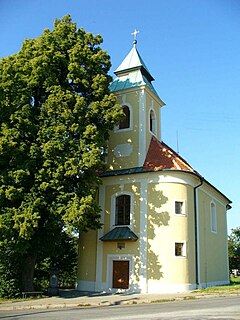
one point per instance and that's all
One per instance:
(74, 299)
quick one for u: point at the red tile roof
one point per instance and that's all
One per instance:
(161, 156)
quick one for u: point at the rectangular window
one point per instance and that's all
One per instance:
(180, 249)
(179, 207)
(123, 210)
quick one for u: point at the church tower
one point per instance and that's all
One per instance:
(129, 142)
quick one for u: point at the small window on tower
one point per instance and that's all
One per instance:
(179, 207)
(180, 249)
(152, 123)
(125, 122)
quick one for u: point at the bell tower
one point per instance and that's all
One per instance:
(129, 141)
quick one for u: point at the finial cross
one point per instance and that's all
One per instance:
(134, 33)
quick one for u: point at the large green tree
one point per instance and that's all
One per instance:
(55, 115)
(234, 249)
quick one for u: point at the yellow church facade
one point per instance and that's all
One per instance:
(164, 225)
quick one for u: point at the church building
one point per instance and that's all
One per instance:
(164, 225)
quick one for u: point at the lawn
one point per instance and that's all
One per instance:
(234, 286)
(235, 281)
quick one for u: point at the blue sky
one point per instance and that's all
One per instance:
(191, 47)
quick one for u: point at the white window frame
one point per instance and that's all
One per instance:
(213, 217)
(116, 128)
(113, 208)
(183, 213)
(184, 249)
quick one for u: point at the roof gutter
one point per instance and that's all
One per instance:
(196, 228)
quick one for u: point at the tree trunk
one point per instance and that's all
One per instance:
(28, 272)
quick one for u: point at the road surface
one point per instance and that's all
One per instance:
(207, 308)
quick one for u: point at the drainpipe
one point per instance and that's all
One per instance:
(196, 229)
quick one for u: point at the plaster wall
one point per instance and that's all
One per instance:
(213, 245)
(164, 229)
(87, 254)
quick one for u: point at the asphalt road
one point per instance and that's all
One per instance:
(207, 308)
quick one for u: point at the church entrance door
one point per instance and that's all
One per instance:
(120, 274)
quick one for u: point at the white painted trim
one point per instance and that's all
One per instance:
(227, 259)
(124, 97)
(166, 177)
(158, 287)
(160, 124)
(153, 287)
(153, 96)
(143, 238)
(213, 197)
(184, 255)
(142, 128)
(99, 261)
(184, 213)
(85, 285)
(174, 177)
(160, 177)
(113, 208)
(197, 237)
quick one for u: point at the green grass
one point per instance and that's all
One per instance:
(4, 300)
(235, 281)
(232, 287)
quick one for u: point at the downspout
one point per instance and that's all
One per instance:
(196, 229)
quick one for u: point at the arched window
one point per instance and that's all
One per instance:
(213, 217)
(152, 123)
(122, 212)
(125, 122)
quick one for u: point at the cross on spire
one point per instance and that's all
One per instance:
(134, 33)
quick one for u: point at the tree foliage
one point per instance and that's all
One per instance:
(234, 249)
(55, 114)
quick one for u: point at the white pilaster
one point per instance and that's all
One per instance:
(197, 237)
(99, 263)
(142, 128)
(160, 125)
(143, 238)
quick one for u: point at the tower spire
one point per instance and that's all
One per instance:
(134, 33)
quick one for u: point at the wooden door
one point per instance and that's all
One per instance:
(121, 274)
